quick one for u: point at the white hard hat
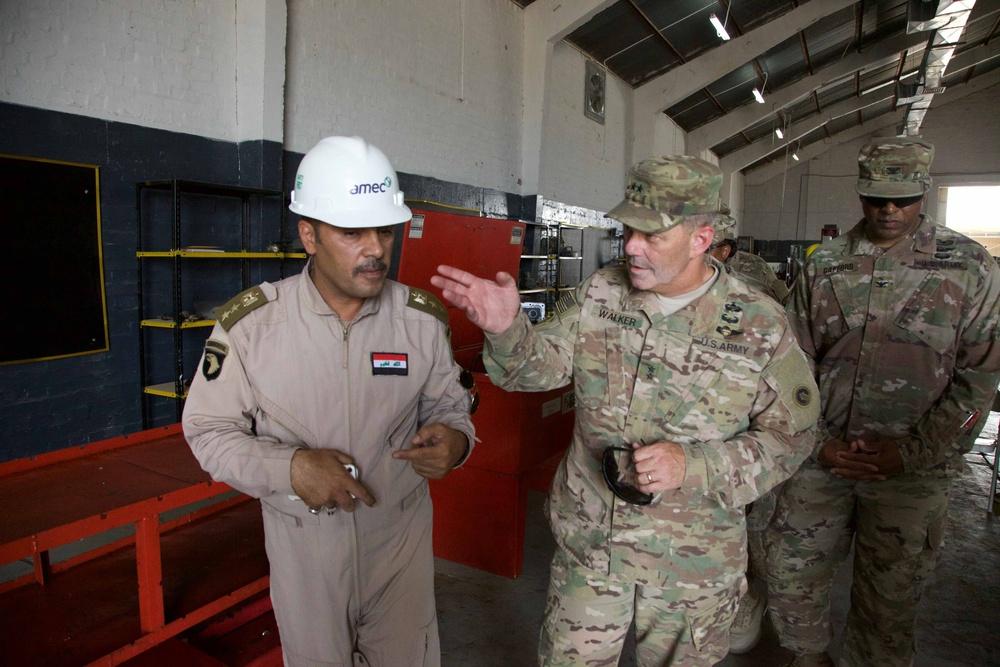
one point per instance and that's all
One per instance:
(347, 182)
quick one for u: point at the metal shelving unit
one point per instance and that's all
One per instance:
(552, 263)
(186, 226)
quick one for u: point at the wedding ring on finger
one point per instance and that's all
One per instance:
(649, 478)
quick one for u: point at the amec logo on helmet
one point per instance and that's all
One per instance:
(370, 188)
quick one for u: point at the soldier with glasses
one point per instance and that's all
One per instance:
(900, 318)
(692, 400)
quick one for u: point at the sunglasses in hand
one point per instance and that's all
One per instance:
(613, 477)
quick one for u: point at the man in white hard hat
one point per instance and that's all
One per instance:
(332, 396)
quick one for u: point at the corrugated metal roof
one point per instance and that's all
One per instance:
(639, 40)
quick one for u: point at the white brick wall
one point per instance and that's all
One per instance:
(165, 64)
(434, 83)
(583, 162)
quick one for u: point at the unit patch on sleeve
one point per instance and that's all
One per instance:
(389, 363)
(215, 355)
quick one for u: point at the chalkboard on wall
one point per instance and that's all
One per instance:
(52, 272)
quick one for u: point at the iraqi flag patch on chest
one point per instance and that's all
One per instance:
(389, 363)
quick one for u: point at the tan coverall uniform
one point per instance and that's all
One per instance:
(281, 372)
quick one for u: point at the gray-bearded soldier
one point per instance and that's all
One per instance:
(692, 400)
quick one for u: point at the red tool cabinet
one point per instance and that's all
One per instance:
(480, 508)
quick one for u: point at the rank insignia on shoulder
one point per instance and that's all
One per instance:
(428, 303)
(215, 356)
(241, 305)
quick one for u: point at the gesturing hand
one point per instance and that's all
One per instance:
(490, 305)
(436, 449)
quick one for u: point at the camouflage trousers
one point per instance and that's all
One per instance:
(587, 617)
(759, 514)
(898, 530)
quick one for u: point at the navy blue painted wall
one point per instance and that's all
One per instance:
(49, 405)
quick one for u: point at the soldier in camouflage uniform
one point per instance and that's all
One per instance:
(754, 271)
(900, 317)
(751, 269)
(698, 381)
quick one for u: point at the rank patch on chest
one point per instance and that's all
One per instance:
(389, 363)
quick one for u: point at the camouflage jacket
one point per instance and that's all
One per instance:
(754, 271)
(904, 341)
(723, 377)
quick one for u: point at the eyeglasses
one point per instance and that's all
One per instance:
(899, 202)
(612, 476)
(468, 382)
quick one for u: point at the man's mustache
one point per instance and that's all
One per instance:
(372, 265)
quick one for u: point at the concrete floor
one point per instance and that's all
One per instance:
(491, 621)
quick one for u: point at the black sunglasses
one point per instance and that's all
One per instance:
(900, 202)
(612, 476)
(468, 382)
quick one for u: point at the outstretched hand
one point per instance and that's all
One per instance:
(490, 305)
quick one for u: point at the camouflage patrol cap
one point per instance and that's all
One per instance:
(662, 191)
(725, 229)
(895, 167)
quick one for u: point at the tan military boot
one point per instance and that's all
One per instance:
(746, 629)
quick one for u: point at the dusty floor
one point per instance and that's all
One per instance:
(488, 620)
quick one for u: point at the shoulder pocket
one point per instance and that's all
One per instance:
(598, 361)
(792, 380)
(852, 297)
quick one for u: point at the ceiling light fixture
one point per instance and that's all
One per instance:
(777, 131)
(795, 155)
(719, 28)
(757, 96)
